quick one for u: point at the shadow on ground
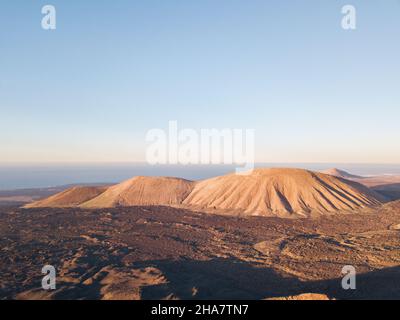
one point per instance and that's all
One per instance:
(235, 279)
(390, 191)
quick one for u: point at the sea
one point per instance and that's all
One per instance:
(23, 176)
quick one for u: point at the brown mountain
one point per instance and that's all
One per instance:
(69, 198)
(143, 191)
(266, 192)
(281, 192)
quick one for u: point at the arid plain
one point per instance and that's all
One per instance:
(271, 234)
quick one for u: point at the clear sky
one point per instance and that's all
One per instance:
(112, 70)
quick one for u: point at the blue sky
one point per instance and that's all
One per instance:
(112, 70)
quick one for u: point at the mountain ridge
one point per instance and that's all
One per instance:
(281, 192)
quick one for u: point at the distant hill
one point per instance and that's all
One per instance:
(19, 197)
(341, 174)
(386, 185)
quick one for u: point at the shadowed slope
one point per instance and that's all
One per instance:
(386, 185)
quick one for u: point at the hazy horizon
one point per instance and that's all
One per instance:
(44, 175)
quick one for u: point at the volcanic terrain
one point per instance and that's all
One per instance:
(159, 238)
